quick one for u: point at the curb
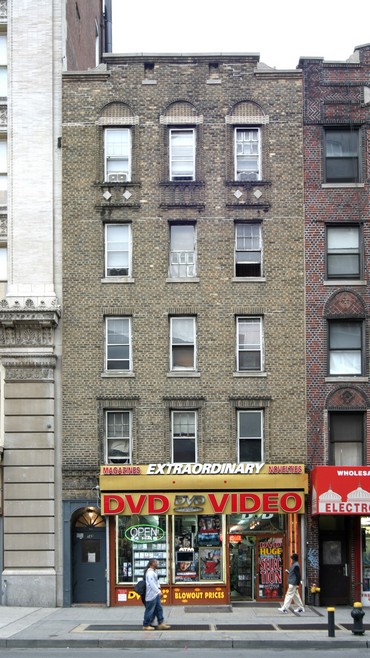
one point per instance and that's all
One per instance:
(184, 643)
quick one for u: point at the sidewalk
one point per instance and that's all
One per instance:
(249, 626)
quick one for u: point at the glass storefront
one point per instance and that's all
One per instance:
(190, 550)
(365, 536)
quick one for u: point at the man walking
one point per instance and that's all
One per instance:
(294, 579)
(153, 606)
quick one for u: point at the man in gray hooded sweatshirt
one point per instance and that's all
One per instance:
(294, 580)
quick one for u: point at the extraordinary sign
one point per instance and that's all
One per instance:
(213, 503)
(245, 468)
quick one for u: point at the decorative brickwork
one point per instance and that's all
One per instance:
(180, 95)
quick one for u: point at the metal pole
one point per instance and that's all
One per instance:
(331, 627)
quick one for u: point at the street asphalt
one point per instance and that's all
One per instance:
(249, 625)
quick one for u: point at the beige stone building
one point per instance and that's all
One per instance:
(38, 40)
(183, 339)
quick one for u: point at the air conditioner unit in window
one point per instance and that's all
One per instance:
(248, 176)
(118, 177)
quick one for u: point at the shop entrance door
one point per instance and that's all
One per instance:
(334, 569)
(242, 568)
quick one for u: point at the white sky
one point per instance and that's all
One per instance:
(279, 30)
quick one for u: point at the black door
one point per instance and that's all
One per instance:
(334, 569)
(89, 565)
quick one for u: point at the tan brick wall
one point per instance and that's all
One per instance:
(215, 298)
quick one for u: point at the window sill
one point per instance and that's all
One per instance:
(117, 279)
(193, 279)
(345, 282)
(345, 185)
(252, 373)
(117, 373)
(243, 279)
(183, 373)
(348, 378)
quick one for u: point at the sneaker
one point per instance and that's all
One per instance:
(148, 628)
(163, 627)
(299, 610)
(283, 611)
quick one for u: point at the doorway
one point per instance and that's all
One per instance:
(334, 562)
(242, 553)
(89, 558)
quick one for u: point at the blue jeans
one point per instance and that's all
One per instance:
(153, 609)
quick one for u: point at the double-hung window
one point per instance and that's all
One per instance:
(345, 347)
(182, 251)
(183, 344)
(248, 250)
(250, 435)
(3, 171)
(346, 432)
(3, 66)
(247, 154)
(182, 154)
(118, 344)
(117, 155)
(184, 436)
(343, 252)
(249, 344)
(117, 250)
(342, 155)
(118, 437)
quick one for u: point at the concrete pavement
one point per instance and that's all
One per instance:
(250, 625)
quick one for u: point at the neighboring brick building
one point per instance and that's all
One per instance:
(336, 156)
(30, 334)
(183, 326)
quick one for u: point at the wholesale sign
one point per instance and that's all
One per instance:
(341, 490)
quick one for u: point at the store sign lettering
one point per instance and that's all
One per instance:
(144, 533)
(225, 503)
(189, 503)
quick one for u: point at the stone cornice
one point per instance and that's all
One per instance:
(42, 314)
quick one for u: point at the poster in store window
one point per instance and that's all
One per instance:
(209, 530)
(270, 564)
(210, 563)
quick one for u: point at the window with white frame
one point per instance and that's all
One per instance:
(118, 437)
(249, 344)
(3, 263)
(345, 347)
(3, 171)
(117, 155)
(342, 155)
(3, 66)
(117, 250)
(182, 251)
(250, 435)
(118, 344)
(247, 165)
(184, 436)
(346, 433)
(182, 154)
(183, 343)
(248, 250)
(343, 252)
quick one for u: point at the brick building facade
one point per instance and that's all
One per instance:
(183, 288)
(337, 246)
